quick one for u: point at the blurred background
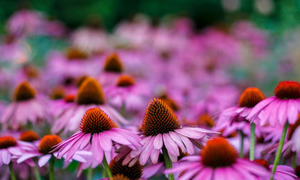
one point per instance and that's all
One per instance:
(197, 55)
(275, 15)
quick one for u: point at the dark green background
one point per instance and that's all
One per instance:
(204, 12)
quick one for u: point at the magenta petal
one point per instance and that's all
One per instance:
(154, 155)
(6, 157)
(170, 145)
(105, 142)
(158, 142)
(292, 111)
(43, 160)
(97, 151)
(151, 170)
(146, 152)
(259, 107)
(26, 156)
(177, 140)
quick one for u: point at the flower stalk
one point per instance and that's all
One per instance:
(168, 162)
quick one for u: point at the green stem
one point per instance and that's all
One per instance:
(36, 171)
(252, 141)
(278, 153)
(123, 109)
(294, 163)
(168, 162)
(106, 167)
(242, 144)
(90, 173)
(11, 171)
(51, 168)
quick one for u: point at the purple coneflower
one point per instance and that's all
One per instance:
(127, 95)
(161, 131)
(112, 69)
(283, 109)
(89, 95)
(99, 134)
(25, 108)
(234, 118)
(218, 159)
(282, 171)
(9, 149)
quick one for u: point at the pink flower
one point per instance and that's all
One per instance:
(112, 70)
(74, 63)
(13, 50)
(9, 149)
(218, 160)
(89, 95)
(25, 108)
(282, 171)
(26, 22)
(233, 119)
(98, 134)
(41, 149)
(128, 94)
(161, 128)
(280, 109)
(90, 40)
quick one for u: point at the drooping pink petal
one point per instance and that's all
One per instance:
(44, 159)
(170, 145)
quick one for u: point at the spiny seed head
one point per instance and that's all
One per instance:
(133, 172)
(120, 177)
(113, 64)
(58, 93)
(76, 54)
(170, 102)
(7, 141)
(90, 92)
(70, 98)
(159, 119)
(218, 153)
(263, 163)
(250, 97)
(96, 121)
(80, 80)
(287, 90)
(206, 120)
(24, 92)
(125, 81)
(29, 136)
(47, 143)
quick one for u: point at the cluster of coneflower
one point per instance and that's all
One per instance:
(140, 112)
(161, 143)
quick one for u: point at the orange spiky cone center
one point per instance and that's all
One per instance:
(218, 153)
(47, 143)
(113, 64)
(90, 92)
(159, 119)
(125, 81)
(24, 92)
(76, 54)
(96, 121)
(29, 136)
(7, 141)
(287, 90)
(133, 172)
(250, 97)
